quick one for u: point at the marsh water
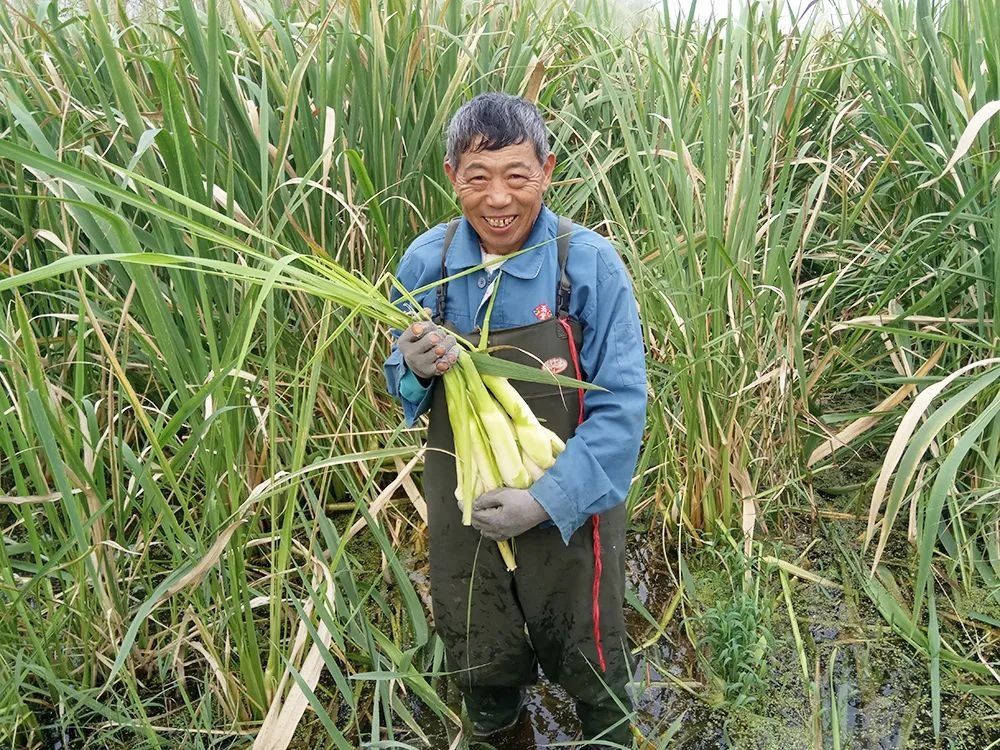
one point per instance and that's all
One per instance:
(867, 688)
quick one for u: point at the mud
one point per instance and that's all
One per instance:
(862, 677)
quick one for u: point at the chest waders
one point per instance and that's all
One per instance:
(569, 598)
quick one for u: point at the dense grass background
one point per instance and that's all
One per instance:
(208, 506)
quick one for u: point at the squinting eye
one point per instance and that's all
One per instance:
(517, 178)
(478, 180)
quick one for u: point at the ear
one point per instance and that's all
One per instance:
(450, 171)
(547, 166)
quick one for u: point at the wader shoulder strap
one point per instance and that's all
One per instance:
(562, 300)
(442, 291)
(562, 244)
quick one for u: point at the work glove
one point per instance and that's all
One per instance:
(506, 512)
(427, 350)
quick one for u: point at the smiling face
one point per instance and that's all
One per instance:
(501, 193)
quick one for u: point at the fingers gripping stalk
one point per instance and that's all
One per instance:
(427, 350)
(506, 512)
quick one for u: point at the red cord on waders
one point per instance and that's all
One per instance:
(595, 520)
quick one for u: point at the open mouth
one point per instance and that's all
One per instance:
(499, 222)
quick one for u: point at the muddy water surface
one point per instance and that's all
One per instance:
(870, 684)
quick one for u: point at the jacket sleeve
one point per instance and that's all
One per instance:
(593, 474)
(401, 382)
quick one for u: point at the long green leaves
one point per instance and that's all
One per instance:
(200, 215)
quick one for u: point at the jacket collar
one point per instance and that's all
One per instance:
(465, 253)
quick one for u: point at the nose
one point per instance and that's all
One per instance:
(497, 196)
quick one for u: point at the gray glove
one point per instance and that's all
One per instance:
(427, 350)
(506, 512)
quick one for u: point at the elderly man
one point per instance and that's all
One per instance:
(568, 301)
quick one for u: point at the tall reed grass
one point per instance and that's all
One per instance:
(197, 472)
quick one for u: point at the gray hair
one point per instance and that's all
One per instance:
(492, 121)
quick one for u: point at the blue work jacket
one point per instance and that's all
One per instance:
(594, 472)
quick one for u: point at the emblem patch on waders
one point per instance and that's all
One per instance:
(555, 365)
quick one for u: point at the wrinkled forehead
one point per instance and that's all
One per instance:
(517, 155)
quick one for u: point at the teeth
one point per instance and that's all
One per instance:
(499, 223)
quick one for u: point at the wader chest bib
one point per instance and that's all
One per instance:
(569, 597)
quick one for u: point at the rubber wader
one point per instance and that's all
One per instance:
(563, 606)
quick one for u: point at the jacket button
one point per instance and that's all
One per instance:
(482, 282)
